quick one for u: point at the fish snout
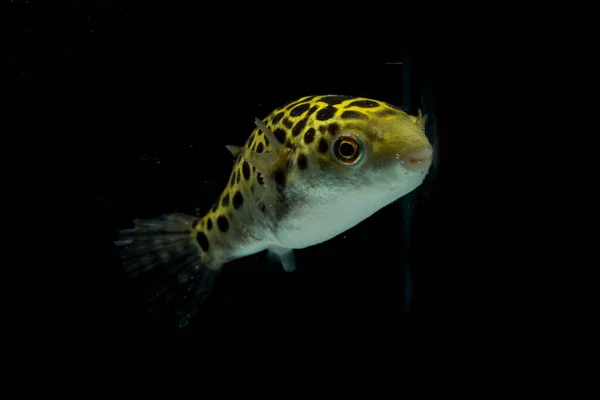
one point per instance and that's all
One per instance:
(417, 160)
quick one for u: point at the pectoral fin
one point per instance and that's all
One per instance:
(234, 150)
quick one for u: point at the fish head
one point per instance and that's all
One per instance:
(332, 161)
(387, 153)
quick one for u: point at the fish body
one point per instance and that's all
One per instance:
(309, 171)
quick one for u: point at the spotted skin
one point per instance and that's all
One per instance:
(305, 125)
(310, 170)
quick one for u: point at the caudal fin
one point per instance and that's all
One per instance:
(164, 255)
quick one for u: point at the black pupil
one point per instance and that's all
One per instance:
(346, 149)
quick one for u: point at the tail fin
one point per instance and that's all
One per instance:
(163, 253)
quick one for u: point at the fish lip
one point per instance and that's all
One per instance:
(419, 159)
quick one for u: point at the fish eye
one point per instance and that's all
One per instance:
(346, 149)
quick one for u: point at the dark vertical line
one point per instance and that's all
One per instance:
(406, 87)
(407, 201)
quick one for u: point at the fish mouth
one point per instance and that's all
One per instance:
(417, 160)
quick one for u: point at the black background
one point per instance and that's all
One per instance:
(116, 85)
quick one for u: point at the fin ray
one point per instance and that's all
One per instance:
(285, 257)
(163, 253)
(262, 161)
(268, 134)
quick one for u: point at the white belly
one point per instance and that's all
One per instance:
(327, 212)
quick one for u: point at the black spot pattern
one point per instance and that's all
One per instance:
(326, 113)
(260, 179)
(302, 161)
(322, 146)
(333, 129)
(309, 136)
(260, 148)
(364, 104)
(266, 141)
(238, 200)
(277, 118)
(202, 241)
(195, 223)
(387, 113)
(333, 100)
(299, 127)
(232, 180)
(291, 105)
(279, 177)
(350, 114)
(299, 110)
(237, 176)
(223, 224)
(209, 224)
(246, 170)
(311, 111)
(288, 124)
(225, 201)
(280, 135)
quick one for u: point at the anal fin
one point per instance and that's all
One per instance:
(285, 256)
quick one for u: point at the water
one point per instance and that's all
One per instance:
(153, 107)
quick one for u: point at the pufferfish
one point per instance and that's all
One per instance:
(309, 171)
